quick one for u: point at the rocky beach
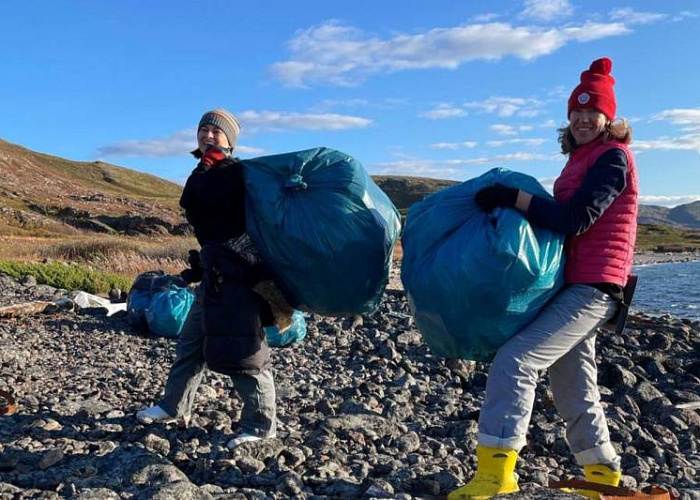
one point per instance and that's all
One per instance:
(365, 411)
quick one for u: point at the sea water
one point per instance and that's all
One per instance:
(672, 288)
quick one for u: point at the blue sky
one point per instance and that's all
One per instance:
(445, 89)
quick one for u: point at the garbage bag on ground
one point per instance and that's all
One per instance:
(473, 279)
(325, 228)
(86, 300)
(159, 302)
(168, 311)
(294, 334)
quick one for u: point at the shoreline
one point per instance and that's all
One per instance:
(649, 257)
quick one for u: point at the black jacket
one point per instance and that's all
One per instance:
(232, 313)
(214, 201)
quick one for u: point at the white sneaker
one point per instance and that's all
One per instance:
(244, 437)
(154, 414)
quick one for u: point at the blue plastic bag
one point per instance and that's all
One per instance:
(323, 225)
(295, 334)
(159, 302)
(168, 310)
(474, 279)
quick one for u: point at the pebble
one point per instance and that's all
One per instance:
(364, 411)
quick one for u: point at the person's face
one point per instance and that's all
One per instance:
(210, 135)
(586, 125)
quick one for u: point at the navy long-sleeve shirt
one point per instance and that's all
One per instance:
(604, 182)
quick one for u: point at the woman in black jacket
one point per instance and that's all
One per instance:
(224, 328)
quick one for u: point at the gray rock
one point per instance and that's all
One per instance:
(158, 474)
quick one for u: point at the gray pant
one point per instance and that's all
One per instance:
(561, 338)
(259, 413)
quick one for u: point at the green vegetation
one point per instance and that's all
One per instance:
(653, 236)
(68, 276)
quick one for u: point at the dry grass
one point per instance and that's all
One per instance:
(123, 256)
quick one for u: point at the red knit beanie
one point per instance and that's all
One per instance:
(595, 90)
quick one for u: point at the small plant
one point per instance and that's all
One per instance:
(67, 276)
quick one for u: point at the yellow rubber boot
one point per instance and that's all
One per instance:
(600, 474)
(494, 474)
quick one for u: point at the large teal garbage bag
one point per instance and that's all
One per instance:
(159, 302)
(325, 228)
(293, 335)
(168, 310)
(474, 279)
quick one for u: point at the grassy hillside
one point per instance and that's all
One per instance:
(405, 191)
(664, 238)
(46, 195)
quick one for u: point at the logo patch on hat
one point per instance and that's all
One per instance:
(583, 98)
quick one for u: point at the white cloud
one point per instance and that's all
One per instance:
(689, 121)
(690, 142)
(684, 116)
(426, 167)
(253, 122)
(521, 142)
(256, 121)
(179, 143)
(416, 169)
(630, 16)
(485, 18)
(248, 150)
(382, 104)
(682, 16)
(508, 106)
(668, 201)
(444, 111)
(347, 103)
(454, 145)
(548, 183)
(547, 10)
(335, 54)
(176, 144)
(502, 129)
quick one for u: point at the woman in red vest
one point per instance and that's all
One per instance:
(595, 205)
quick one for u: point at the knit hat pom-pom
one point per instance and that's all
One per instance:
(601, 66)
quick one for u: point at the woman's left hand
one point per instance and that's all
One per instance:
(494, 196)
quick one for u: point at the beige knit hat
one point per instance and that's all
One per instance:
(225, 121)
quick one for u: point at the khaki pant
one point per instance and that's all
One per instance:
(561, 339)
(258, 416)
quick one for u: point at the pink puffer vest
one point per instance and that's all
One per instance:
(604, 253)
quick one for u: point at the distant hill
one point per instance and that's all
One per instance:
(42, 194)
(685, 216)
(405, 191)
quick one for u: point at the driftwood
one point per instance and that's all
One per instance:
(36, 307)
(8, 405)
(693, 405)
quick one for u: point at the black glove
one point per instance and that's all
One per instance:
(194, 273)
(494, 196)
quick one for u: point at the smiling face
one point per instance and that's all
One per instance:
(210, 135)
(586, 124)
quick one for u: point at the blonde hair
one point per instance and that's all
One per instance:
(617, 130)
